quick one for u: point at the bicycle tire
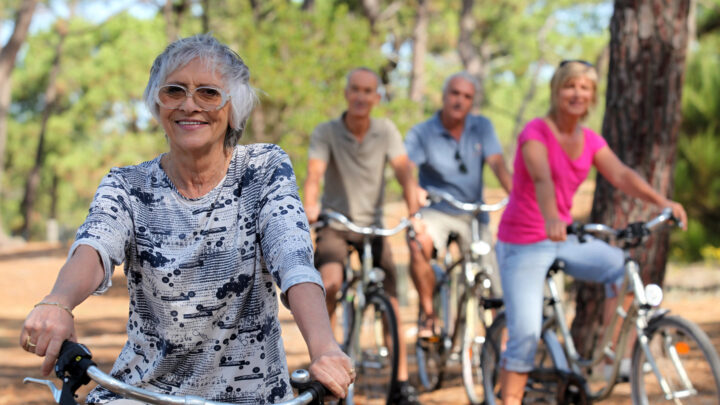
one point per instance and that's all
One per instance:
(473, 337)
(673, 340)
(538, 390)
(475, 326)
(376, 363)
(344, 320)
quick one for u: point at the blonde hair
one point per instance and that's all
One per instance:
(567, 71)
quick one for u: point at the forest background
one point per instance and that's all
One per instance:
(76, 88)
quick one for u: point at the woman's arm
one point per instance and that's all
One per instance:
(536, 161)
(628, 181)
(48, 326)
(329, 365)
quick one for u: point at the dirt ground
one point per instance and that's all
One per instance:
(29, 270)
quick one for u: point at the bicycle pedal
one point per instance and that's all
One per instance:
(431, 339)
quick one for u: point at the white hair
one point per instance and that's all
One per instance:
(463, 75)
(216, 56)
(378, 82)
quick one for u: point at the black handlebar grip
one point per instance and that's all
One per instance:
(576, 228)
(676, 221)
(315, 388)
(72, 363)
(318, 392)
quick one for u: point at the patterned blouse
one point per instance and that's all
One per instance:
(203, 308)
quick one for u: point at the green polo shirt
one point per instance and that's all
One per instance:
(355, 174)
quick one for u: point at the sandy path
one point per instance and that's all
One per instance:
(28, 273)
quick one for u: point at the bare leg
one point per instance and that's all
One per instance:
(422, 273)
(332, 277)
(512, 385)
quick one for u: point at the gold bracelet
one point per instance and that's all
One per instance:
(57, 304)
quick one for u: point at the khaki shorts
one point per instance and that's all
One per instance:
(439, 225)
(332, 247)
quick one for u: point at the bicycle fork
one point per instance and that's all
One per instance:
(642, 325)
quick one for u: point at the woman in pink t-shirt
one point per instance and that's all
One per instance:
(553, 157)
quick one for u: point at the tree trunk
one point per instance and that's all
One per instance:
(50, 98)
(257, 125)
(371, 9)
(530, 94)
(420, 37)
(170, 33)
(8, 54)
(648, 41)
(474, 58)
(308, 5)
(206, 16)
(173, 13)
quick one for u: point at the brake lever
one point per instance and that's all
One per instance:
(55, 391)
(70, 367)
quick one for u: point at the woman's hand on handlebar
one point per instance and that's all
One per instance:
(556, 229)
(678, 212)
(334, 370)
(45, 329)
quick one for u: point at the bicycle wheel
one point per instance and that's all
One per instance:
(376, 357)
(430, 352)
(537, 390)
(684, 357)
(473, 337)
(344, 320)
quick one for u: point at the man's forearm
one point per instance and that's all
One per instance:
(498, 166)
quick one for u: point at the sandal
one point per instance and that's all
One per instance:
(428, 327)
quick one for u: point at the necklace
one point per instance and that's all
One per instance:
(198, 184)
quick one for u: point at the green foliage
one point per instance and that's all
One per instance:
(298, 61)
(697, 171)
(95, 122)
(697, 187)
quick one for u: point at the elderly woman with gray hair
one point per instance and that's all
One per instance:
(204, 230)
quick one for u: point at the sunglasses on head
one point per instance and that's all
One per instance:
(580, 61)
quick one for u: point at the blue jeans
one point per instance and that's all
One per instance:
(522, 272)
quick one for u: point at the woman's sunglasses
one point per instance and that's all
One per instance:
(580, 61)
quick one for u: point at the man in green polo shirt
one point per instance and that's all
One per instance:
(351, 152)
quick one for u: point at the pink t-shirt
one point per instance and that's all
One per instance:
(522, 222)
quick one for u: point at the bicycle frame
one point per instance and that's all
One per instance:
(367, 280)
(464, 270)
(638, 315)
(471, 269)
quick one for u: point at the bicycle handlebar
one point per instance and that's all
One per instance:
(633, 232)
(473, 208)
(325, 217)
(75, 368)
